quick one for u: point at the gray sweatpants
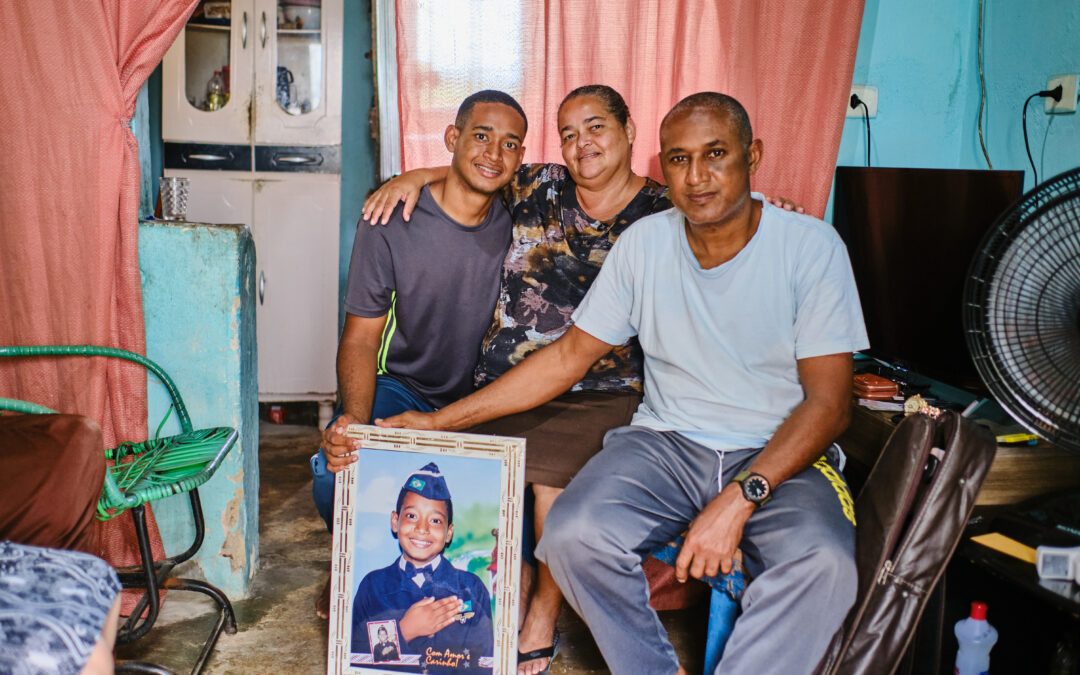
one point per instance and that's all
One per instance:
(641, 491)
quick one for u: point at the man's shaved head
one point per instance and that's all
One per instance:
(721, 103)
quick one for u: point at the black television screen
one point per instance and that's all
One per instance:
(911, 235)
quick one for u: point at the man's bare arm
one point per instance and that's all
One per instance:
(356, 366)
(542, 376)
(815, 423)
(802, 438)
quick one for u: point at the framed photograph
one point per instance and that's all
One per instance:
(426, 561)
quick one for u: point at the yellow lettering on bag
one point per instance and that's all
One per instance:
(846, 502)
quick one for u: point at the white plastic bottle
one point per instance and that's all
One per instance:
(976, 636)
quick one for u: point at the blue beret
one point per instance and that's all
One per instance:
(428, 482)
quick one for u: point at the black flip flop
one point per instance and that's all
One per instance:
(544, 653)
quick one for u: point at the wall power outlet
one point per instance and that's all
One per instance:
(1067, 104)
(867, 95)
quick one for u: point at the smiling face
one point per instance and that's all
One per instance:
(421, 528)
(488, 147)
(594, 144)
(706, 166)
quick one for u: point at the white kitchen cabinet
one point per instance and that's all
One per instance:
(294, 221)
(299, 254)
(280, 64)
(251, 114)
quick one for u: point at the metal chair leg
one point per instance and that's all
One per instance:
(200, 528)
(153, 577)
(226, 620)
(133, 628)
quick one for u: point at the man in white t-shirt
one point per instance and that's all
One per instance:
(748, 316)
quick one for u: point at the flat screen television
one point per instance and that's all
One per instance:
(911, 235)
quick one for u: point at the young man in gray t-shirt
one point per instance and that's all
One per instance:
(421, 293)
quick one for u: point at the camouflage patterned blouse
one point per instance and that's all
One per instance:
(555, 254)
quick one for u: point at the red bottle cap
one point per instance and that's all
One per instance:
(978, 611)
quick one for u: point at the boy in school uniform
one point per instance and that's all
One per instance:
(441, 614)
(385, 649)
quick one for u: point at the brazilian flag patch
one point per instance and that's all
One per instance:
(416, 483)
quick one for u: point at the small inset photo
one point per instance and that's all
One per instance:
(383, 638)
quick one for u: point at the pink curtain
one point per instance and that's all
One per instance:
(69, 194)
(788, 61)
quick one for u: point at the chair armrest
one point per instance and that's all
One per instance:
(113, 352)
(15, 405)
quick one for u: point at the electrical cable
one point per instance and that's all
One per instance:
(982, 90)
(1023, 117)
(1055, 94)
(855, 102)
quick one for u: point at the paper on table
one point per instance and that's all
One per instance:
(881, 405)
(1000, 542)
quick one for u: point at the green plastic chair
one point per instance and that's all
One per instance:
(139, 473)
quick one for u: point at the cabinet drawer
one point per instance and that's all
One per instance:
(298, 159)
(207, 156)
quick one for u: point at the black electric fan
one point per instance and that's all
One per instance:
(1022, 310)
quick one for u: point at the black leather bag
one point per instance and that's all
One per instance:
(911, 514)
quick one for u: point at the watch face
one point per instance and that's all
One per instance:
(755, 489)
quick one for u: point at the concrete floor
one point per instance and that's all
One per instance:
(278, 631)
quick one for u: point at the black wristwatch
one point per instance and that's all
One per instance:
(755, 487)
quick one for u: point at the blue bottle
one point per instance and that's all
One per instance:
(976, 637)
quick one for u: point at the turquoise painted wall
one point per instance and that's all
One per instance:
(1029, 42)
(358, 149)
(199, 306)
(922, 57)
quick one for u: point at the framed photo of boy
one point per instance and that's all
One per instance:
(426, 561)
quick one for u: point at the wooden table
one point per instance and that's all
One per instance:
(1018, 471)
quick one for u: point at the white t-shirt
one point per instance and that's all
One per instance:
(721, 344)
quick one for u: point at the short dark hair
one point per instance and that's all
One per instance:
(722, 103)
(612, 100)
(487, 96)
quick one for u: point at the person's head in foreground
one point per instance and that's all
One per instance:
(708, 153)
(487, 139)
(423, 521)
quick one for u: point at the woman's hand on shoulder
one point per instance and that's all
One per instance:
(380, 204)
(779, 202)
(404, 188)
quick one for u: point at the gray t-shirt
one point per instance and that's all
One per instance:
(439, 281)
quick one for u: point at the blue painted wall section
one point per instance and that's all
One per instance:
(1028, 43)
(922, 57)
(357, 147)
(199, 306)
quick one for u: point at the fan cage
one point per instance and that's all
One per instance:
(1022, 310)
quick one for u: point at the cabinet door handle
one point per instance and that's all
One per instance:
(296, 159)
(208, 158)
(262, 286)
(264, 29)
(243, 32)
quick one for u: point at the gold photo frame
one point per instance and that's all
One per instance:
(485, 476)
